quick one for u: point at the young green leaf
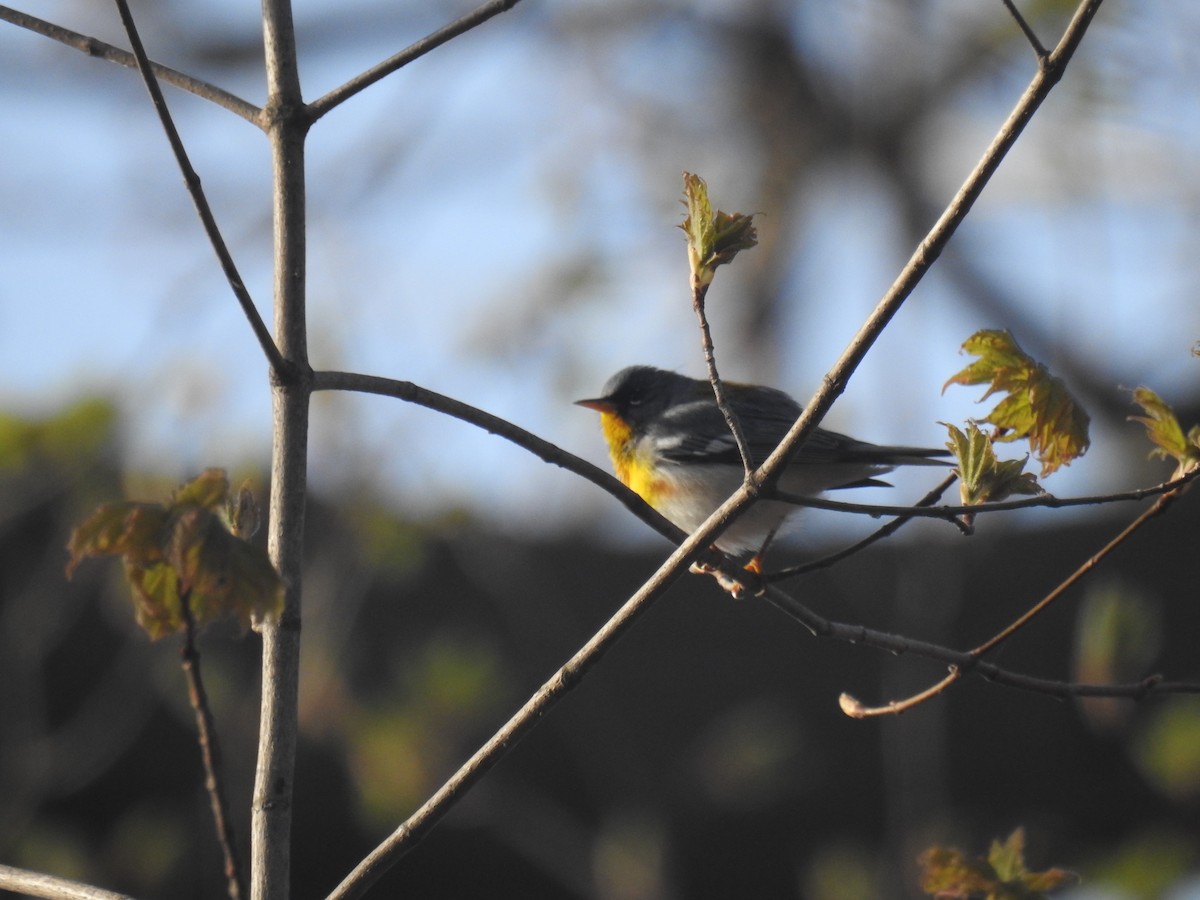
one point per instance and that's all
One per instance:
(1165, 432)
(184, 548)
(948, 874)
(983, 477)
(1038, 406)
(712, 240)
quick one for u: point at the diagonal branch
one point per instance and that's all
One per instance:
(339, 95)
(97, 48)
(37, 884)
(278, 365)
(1026, 30)
(1047, 76)
(522, 722)
(1160, 506)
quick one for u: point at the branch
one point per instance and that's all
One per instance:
(1027, 31)
(339, 95)
(35, 884)
(963, 661)
(556, 687)
(950, 512)
(1160, 506)
(699, 292)
(192, 181)
(1048, 74)
(539, 447)
(274, 776)
(210, 750)
(97, 48)
(410, 832)
(885, 531)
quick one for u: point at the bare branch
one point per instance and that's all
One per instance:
(1026, 30)
(274, 776)
(928, 250)
(97, 48)
(210, 750)
(964, 661)
(1160, 506)
(556, 687)
(699, 291)
(37, 884)
(192, 181)
(539, 447)
(949, 512)
(856, 709)
(885, 531)
(339, 95)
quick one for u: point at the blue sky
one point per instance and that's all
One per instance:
(497, 222)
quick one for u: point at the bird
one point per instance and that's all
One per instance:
(671, 445)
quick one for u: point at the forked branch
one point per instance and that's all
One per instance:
(101, 50)
(361, 82)
(278, 364)
(856, 709)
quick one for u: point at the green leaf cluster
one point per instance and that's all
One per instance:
(1165, 432)
(983, 477)
(184, 548)
(1038, 406)
(713, 239)
(948, 874)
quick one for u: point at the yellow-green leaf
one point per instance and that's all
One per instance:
(983, 477)
(209, 489)
(132, 530)
(183, 550)
(155, 598)
(1038, 408)
(949, 875)
(712, 240)
(1008, 859)
(1165, 432)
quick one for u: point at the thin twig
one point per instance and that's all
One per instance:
(960, 659)
(210, 750)
(950, 512)
(341, 94)
(51, 887)
(1027, 31)
(99, 49)
(1159, 507)
(975, 654)
(879, 534)
(699, 292)
(279, 365)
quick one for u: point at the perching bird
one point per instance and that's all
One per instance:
(671, 445)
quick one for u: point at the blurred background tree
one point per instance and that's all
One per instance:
(496, 223)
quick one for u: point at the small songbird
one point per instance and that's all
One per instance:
(671, 445)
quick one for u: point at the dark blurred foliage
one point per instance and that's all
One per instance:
(704, 757)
